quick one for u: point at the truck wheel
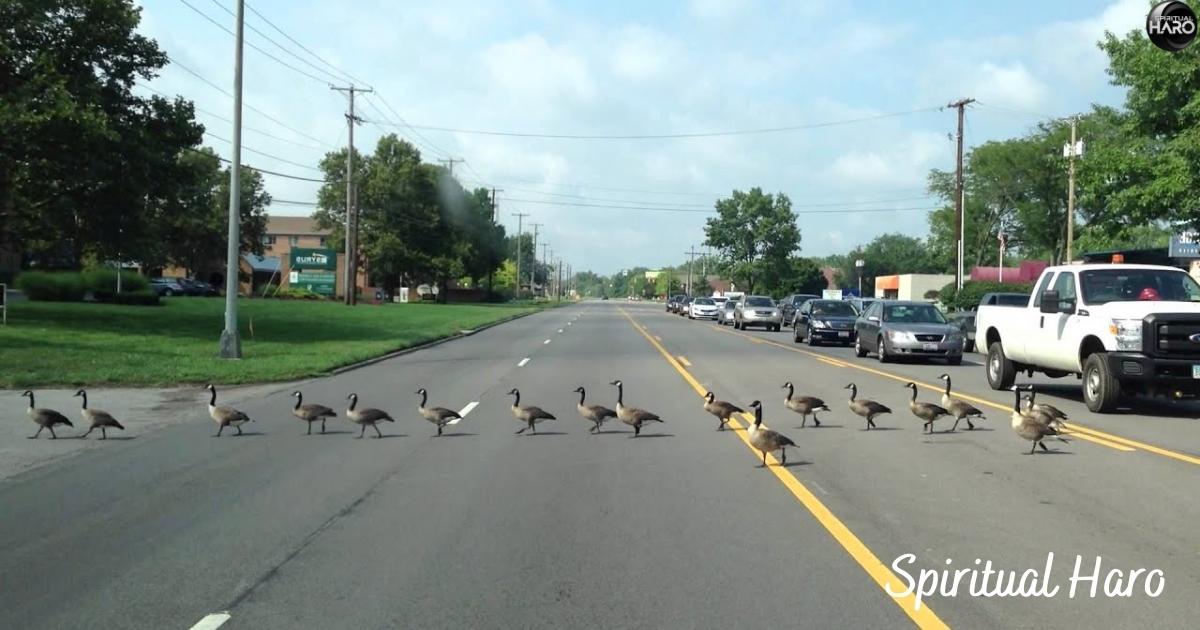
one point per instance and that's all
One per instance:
(859, 351)
(1101, 390)
(1000, 371)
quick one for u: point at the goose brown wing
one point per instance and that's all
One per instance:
(537, 413)
(600, 411)
(442, 413)
(317, 411)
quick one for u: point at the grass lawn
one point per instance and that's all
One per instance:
(47, 343)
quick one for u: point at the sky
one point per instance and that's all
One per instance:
(646, 68)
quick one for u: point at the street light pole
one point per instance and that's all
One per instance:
(858, 265)
(231, 344)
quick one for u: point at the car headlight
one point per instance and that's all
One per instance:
(902, 335)
(816, 323)
(1128, 333)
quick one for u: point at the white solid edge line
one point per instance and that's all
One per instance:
(545, 342)
(212, 622)
(465, 410)
(523, 362)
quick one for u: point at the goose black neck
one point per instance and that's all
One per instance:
(914, 394)
(212, 400)
(582, 394)
(31, 400)
(620, 393)
(947, 392)
(758, 415)
(299, 399)
(516, 398)
(1032, 396)
(1017, 400)
(353, 402)
(84, 394)
(853, 393)
(424, 398)
(790, 389)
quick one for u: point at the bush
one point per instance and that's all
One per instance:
(103, 279)
(144, 297)
(296, 294)
(973, 292)
(52, 286)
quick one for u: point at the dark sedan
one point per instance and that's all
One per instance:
(822, 321)
(790, 305)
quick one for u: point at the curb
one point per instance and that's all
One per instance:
(428, 344)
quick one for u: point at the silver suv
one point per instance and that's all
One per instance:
(757, 310)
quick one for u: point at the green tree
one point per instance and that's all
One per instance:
(887, 255)
(84, 162)
(755, 234)
(804, 276)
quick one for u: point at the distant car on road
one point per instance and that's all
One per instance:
(684, 303)
(166, 287)
(1004, 299)
(702, 308)
(965, 320)
(196, 287)
(673, 302)
(824, 321)
(861, 304)
(792, 303)
(725, 315)
(757, 310)
(894, 329)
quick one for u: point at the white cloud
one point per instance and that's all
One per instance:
(716, 9)
(641, 54)
(1011, 85)
(539, 73)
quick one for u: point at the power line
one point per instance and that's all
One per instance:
(260, 170)
(304, 48)
(289, 202)
(418, 137)
(1020, 112)
(175, 63)
(265, 53)
(266, 155)
(429, 149)
(226, 120)
(666, 136)
(278, 45)
(709, 205)
(710, 211)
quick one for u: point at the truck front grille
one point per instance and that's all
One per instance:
(1170, 335)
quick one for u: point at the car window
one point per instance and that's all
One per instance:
(1043, 286)
(1065, 285)
(830, 308)
(759, 301)
(913, 314)
(1012, 300)
(704, 301)
(872, 310)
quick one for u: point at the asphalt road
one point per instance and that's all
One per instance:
(679, 528)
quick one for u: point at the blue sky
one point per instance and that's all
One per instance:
(654, 68)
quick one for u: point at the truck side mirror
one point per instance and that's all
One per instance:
(1049, 304)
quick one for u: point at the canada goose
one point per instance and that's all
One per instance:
(767, 440)
(439, 416)
(961, 410)
(45, 418)
(632, 416)
(597, 414)
(365, 417)
(923, 410)
(225, 416)
(96, 418)
(1032, 425)
(311, 412)
(1050, 410)
(721, 409)
(866, 408)
(529, 415)
(804, 405)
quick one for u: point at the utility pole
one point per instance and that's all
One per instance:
(1071, 151)
(494, 191)
(351, 203)
(1003, 242)
(450, 162)
(520, 216)
(533, 272)
(961, 106)
(558, 283)
(691, 254)
(231, 344)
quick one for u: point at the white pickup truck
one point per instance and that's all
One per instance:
(1124, 329)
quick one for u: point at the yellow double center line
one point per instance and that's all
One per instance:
(1075, 429)
(883, 576)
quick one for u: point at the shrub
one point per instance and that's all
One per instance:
(144, 297)
(103, 279)
(296, 294)
(52, 286)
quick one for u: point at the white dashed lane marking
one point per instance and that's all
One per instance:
(545, 342)
(465, 410)
(212, 622)
(523, 362)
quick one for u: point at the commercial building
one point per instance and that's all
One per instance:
(910, 286)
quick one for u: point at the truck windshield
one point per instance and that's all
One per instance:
(1101, 286)
(913, 314)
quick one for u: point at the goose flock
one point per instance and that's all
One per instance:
(1031, 421)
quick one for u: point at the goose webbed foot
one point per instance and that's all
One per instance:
(816, 422)
(1044, 447)
(970, 426)
(322, 426)
(239, 429)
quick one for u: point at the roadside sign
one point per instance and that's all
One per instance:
(313, 269)
(831, 294)
(404, 295)
(1184, 245)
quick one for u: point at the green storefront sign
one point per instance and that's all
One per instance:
(313, 269)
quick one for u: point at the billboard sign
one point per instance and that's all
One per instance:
(1185, 245)
(312, 259)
